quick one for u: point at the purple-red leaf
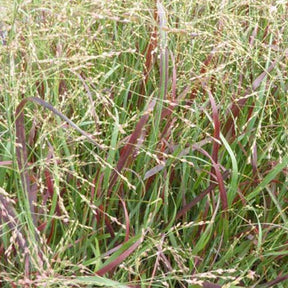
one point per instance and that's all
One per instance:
(119, 259)
(129, 148)
(197, 199)
(236, 107)
(21, 149)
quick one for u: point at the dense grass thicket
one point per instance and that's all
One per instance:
(143, 143)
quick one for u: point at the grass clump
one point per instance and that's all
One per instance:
(143, 144)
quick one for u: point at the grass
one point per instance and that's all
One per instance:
(143, 143)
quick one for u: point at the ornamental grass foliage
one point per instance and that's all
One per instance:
(143, 143)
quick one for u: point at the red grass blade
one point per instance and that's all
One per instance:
(166, 112)
(150, 52)
(8, 215)
(153, 171)
(127, 220)
(216, 122)
(279, 279)
(235, 108)
(119, 259)
(22, 158)
(219, 176)
(194, 202)
(129, 148)
(21, 149)
(174, 77)
(156, 264)
(253, 35)
(49, 180)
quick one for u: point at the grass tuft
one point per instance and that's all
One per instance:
(155, 151)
